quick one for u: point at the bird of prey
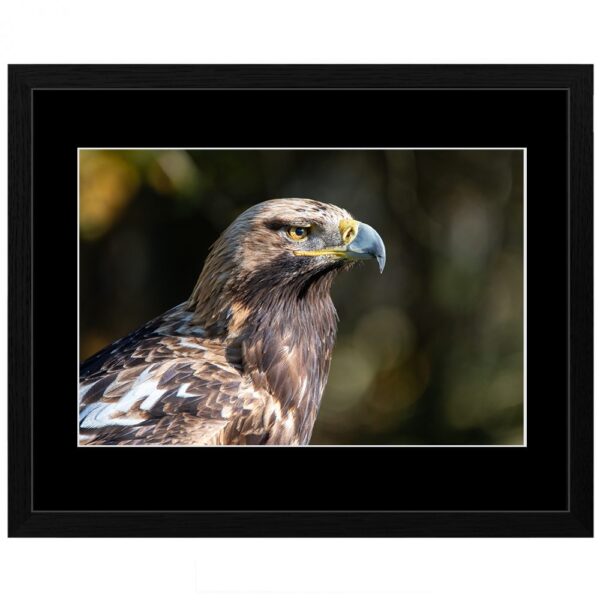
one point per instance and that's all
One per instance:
(245, 360)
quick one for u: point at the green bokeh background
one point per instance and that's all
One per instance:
(430, 352)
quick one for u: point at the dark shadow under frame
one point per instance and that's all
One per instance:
(23, 79)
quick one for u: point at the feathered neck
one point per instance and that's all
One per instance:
(280, 327)
(226, 301)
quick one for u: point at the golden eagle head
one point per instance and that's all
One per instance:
(279, 251)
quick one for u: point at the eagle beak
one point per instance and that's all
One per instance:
(367, 243)
(361, 243)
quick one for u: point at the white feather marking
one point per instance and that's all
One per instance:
(152, 399)
(144, 386)
(288, 422)
(103, 414)
(83, 390)
(302, 389)
(97, 415)
(276, 408)
(182, 391)
(127, 421)
(185, 344)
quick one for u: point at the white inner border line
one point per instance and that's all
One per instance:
(244, 148)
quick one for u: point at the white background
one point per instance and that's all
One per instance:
(180, 31)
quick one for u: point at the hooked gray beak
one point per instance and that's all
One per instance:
(367, 244)
(363, 243)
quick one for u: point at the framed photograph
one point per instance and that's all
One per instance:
(300, 300)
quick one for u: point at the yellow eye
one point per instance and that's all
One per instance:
(298, 233)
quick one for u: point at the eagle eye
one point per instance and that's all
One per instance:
(298, 233)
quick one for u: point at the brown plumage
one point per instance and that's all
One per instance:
(245, 359)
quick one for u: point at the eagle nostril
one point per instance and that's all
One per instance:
(348, 229)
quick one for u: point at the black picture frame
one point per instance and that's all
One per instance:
(575, 520)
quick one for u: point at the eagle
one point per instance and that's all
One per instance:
(245, 360)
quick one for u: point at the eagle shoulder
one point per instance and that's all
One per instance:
(163, 385)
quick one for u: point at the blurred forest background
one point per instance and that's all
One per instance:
(430, 352)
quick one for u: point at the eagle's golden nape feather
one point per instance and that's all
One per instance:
(245, 360)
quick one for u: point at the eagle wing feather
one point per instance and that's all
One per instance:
(154, 387)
